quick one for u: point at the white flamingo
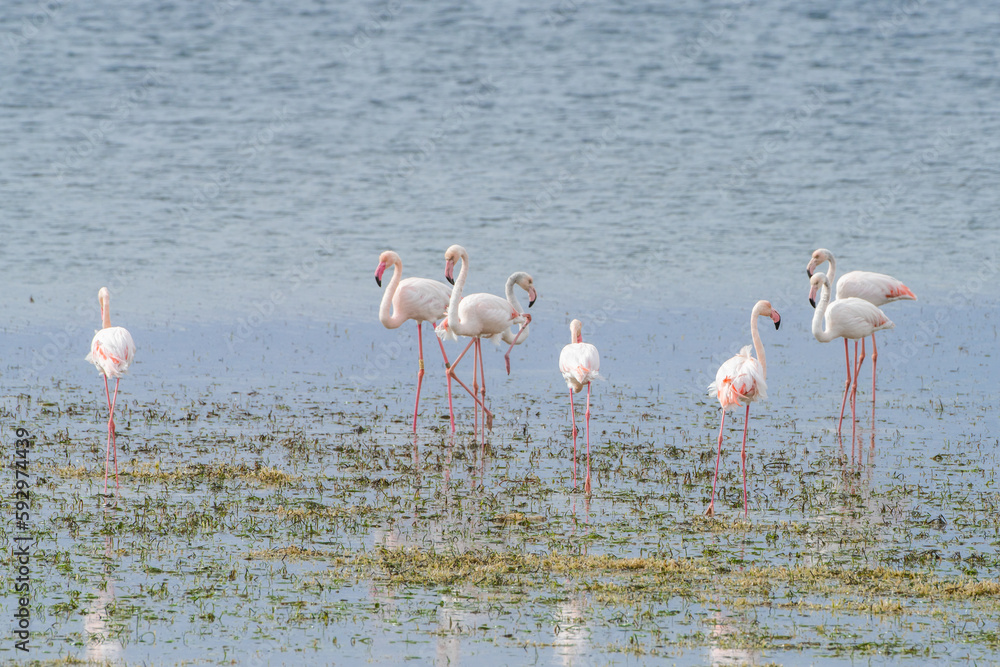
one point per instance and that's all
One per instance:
(579, 364)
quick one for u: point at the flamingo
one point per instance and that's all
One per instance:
(111, 351)
(418, 299)
(742, 379)
(579, 364)
(479, 316)
(848, 318)
(877, 289)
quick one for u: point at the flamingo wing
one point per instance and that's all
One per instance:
(875, 288)
(856, 318)
(421, 299)
(112, 351)
(739, 380)
(486, 315)
(579, 364)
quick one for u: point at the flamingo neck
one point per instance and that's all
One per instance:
(456, 296)
(511, 297)
(385, 316)
(820, 314)
(758, 346)
(832, 273)
(106, 314)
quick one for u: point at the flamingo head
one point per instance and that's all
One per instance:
(385, 260)
(452, 256)
(765, 309)
(815, 282)
(527, 283)
(819, 256)
(576, 331)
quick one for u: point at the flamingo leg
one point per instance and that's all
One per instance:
(743, 458)
(420, 371)
(520, 330)
(475, 384)
(107, 449)
(874, 359)
(487, 424)
(859, 359)
(447, 375)
(114, 444)
(586, 486)
(451, 372)
(847, 386)
(711, 506)
(572, 416)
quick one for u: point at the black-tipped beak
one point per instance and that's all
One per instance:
(809, 272)
(777, 325)
(378, 280)
(812, 302)
(450, 280)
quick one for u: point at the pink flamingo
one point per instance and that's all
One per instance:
(479, 316)
(877, 289)
(111, 351)
(848, 318)
(418, 299)
(579, 364)
(742, 379)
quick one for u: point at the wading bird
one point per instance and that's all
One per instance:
(876, 288)
(479, 316)
(579, 364)
(112, 351)
(742, 379)
(418, 299)
(847, 318)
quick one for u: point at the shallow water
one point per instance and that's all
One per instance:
(232, 171)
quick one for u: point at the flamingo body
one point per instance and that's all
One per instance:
(740, 380)
(112, 351)
(876, 288)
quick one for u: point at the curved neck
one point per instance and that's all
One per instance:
(511, 297)
(831, 275)
(757, 345)
(456, 295)
(820, 313)
(385, 316)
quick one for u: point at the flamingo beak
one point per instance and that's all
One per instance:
(532, 295)
(812, 296)
(378, 273)
(777, 319)
(449, 271)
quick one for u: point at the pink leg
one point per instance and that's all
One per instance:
(874, 359)
(420, 371)
(586, 486)
(111, 422)
(572, 416)
(451, 372)
(475, 384)
(114, 444)
(520, 330)
(743, 458)
(859, 359)
(847, 386)
(482, 376)
(447, 375)
(711, 506)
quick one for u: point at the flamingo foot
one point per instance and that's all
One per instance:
(710, 511)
